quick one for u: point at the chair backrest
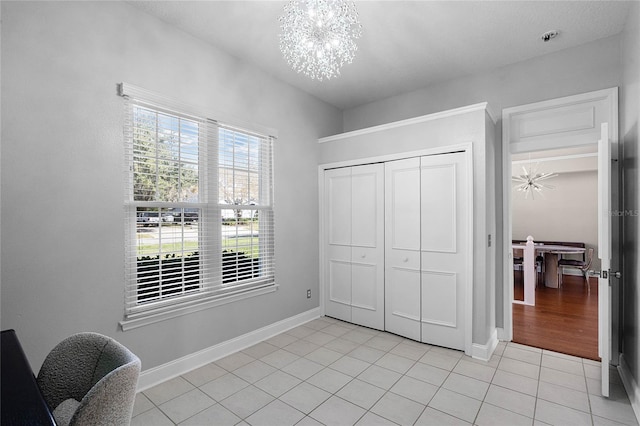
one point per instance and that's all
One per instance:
(589, 259)
(95, 370)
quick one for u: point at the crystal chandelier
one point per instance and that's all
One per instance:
(530, 181)
(318, 36)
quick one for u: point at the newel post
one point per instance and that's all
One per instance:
(529, 271)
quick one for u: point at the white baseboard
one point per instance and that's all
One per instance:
(153, 376)
(502, 334)
(630, 385)
(484, 352)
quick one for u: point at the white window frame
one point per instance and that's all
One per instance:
(213, 291)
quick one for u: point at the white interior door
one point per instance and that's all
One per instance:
(402, 247)
(444, 243)
(367, 245)
(338, 249)
(604, 253)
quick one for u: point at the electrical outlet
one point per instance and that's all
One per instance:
(309, 294)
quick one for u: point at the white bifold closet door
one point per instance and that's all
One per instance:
(354, 226)
(426, 247)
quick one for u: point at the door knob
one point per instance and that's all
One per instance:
(406, 259)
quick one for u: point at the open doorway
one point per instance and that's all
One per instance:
(570, 122)
(560, 212)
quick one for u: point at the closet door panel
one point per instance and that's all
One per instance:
(338, 249)
(439, 298)
(367, 206)
(363, 290)
(339, 283)
(402, 302)
(354, 266)
(403, 208)
(444, 237)
(439, 209)
(402, 247)
(367, 288)
(338, 202)
(367, 253)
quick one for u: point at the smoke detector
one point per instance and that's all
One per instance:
(549, 35)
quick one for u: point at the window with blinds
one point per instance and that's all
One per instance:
(199, 208)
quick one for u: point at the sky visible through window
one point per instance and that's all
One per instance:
(166, 158)
(165, 154)
(239, 166)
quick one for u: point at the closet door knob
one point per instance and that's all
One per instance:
(363, 256)
(406, 259)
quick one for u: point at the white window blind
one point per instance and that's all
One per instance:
(198, 204)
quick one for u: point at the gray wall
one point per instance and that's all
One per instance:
(62, 172)
(630, 117)
(569, 212)
(585, 68)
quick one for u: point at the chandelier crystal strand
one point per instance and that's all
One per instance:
(318, 36)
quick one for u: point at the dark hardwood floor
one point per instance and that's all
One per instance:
(563, 321)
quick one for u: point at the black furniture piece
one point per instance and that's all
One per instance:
(22, 401)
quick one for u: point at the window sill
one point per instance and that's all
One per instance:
(151, 318)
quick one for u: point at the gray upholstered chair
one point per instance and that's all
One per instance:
(90, 379)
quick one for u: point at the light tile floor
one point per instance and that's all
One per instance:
(328, 372)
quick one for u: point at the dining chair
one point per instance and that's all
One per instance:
(540, 267)
(582, 265)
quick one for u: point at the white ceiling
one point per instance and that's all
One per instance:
(405, 45)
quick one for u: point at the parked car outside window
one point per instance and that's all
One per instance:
(148, 218)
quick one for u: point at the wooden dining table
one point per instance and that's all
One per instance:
(551, 252)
